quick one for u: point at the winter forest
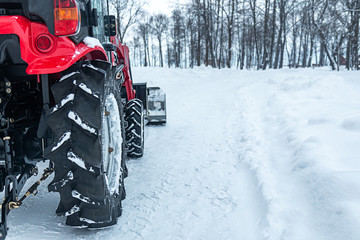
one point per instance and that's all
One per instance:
(257, 34)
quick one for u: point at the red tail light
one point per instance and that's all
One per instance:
(67, 17)
(44, 43)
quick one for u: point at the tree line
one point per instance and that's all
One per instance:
(257, 34)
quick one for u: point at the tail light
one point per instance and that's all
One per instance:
(67, 17)
(44, 43)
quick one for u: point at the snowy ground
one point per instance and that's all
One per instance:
(245, 155)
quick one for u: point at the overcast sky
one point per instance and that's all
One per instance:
(161, 6)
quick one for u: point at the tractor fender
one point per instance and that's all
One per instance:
(62, 55)
(123, 52)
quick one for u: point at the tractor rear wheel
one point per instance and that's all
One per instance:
(88, 150)
(135, 128)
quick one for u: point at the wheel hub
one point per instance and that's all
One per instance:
(112, 143)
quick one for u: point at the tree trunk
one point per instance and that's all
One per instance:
(311, 51)
(145, 55)
(230, 32)
(168, 53)
(211, 34)
(253, 11)
(266, 19)
(322, 55)
(348, 53)
(278, 48)
(283, 46)
(198, 47)
(273, 23)
(332, 62)
(293, 54)
(160, 53)
(356, 37)
(148, 53)
(305, 51)
(221, 42)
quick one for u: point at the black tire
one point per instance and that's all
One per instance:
(80, 123)
(134, 117)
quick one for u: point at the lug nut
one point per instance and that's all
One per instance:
(8, 90)
(11, 120)
(8, 84)
(34, 171)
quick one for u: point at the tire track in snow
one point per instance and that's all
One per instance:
(261, 150)
(189, 184)
(195, 186)
(298, 194)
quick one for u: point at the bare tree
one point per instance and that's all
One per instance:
(178, 34)
(259, 33)
(230, 28)
(143, 31)
(266, 36)
(128, 13)
(159, 24)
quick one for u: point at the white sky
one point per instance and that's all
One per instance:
(162, 6)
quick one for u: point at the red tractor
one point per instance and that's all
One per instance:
(66, 95)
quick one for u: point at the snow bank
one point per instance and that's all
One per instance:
(300, 132)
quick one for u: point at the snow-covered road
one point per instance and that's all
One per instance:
(245, 155)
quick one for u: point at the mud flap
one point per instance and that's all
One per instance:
(141, 93)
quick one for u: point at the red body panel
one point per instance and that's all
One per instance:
(123, 52)
(62, 56)
(64, 52)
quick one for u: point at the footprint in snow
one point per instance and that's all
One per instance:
(351, 124)
(317, 121)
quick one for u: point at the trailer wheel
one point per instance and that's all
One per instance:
(88, 150)
(135, 128)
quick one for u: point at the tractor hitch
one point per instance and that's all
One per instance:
(13, 186)
(11, 195)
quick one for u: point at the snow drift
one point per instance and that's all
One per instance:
(244, 155)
